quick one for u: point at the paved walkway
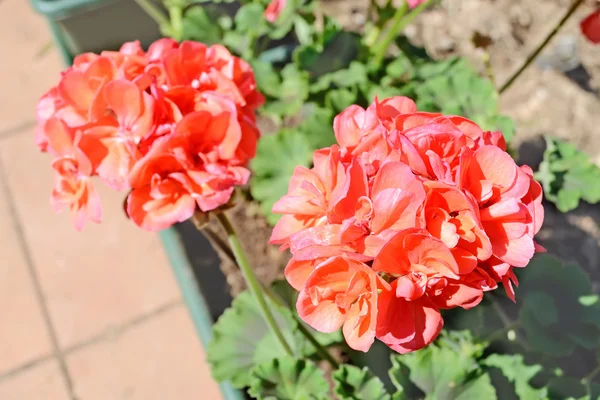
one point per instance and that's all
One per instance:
(92, 315)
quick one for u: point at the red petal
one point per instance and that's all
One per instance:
(406, 326)
(590, 27)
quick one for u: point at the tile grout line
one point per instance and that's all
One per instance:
(12, 131)
(20, 236)
(113, 332)
(107, 334)
(25, 366)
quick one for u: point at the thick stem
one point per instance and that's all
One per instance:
(506, 321)
(176, 17)
(325, 354)
(501, 333)
(154, 12)
(591, 375)
(253, 285)
(218, 243)
(508, 325)
(399, 22)
(541, 46)
(381, 46)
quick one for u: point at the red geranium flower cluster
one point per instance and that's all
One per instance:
(411, 213)
(175, 126)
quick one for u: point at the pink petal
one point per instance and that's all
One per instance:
(406, 326)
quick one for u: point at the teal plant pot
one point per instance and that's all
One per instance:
(96, 25)
(80, 26)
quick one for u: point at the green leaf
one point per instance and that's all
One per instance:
(287, 378)
(454, 87)
(199, 26)
(241, 340)
(589, 300)
(542, 307)
(514, 369)
(306, 56)
(568, 175)
(564, 387)
(400, 68)
(353, 383)
(237, 42)
(250, 20)
(478, 388)
(286, 20)
(292, 94)
(400, 376)
(234, 349)
(304, 30)
(445, 370)
(317, 125)
(557, 327)
(355, 74)
(267, 78)
(336, 53)
(276, 158)
(340, 99)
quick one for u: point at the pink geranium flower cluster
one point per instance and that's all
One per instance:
(409, 214)
(174, 126)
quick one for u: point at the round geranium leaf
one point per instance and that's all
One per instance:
(287, 378)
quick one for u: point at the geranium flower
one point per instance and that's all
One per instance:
(414, 3)
(195, 165)
(274, 9)
(124, 115)
(342, 293)
(175, 124)
(73, 189)
(430, 204)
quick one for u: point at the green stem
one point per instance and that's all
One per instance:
(508, 324)
(587, 380)
(500, 333)
(154, 12)
(541, 46)
(591, 375)
(176, 17)
(399, 22)
(253, 285)
(216, 241)
(381, 46)
(503, 316)
(325, 354)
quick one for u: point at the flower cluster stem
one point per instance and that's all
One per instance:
(154, 12)
(541, 46)
(176, 17)
(253, 285)
(399, 21)
(218, 243)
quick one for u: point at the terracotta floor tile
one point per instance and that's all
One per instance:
(40, 382)
(159, 359)
(94, 279)
(26, 72)
(23, 335)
